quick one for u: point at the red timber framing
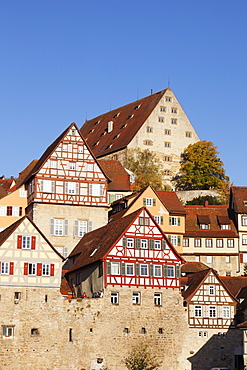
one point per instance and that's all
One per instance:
(143, 256)
(68, 173)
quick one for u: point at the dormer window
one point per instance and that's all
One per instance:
(137, 106)
(245, 202)
(224, 222)
(115, 137)
(95, 144)
(96, 123)
(204, 226)
(116, 115)
(124, 125)
(90, 132)
(108, 146)
(103, 133)
(110, 126)
(132, 115)
(225, 227)
(204, 222)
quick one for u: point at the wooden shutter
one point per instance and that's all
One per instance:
(101, 189)
(177, 271)
(123, 268)
(90, 226)
(25, 268)
(33, 245)
(111, 198)
(124, 242)
(154, 202)
(151, 268)
(52, 226)
(137, 269)
(52, 187)
(161, 220)
(90, 189)
(163, 245)
(170, 220)
(77, 188)
(11, 268)
(241, 257)
(144, 201)
(179, 240)
(52, 269)
(151, 243)
(108, 266)
(39, 269)
(178, 221)
(138, 243)
(169, 237)
(41, 186)
(20, 211)
(76, 228)
(19, 242)
(66, 225)
(165, 271)
(66, 188)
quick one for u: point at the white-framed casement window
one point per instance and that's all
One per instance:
(198, 311)
(118, 196)
(158, 299)
(3, 210)
(144, 243)
(32, 269)
(58, 227)
(5, 268)
(244, 220)
(170, 271)
(136, 298)
(225, 227)
(186, 242)
(130, 243)
(157, 270)
(157, 244)
(161, 119)
(244, 239)
(129, 269)
(53, 164)
(208, 243)
(82, 227)
(175, 240)
(96, 189)
(149, 129)
(15, 211)
(159, 219)
(197, 242)
(204, 226)
(46, 186)
(163, 109)
(72, 188)
(219, 243)
(115, 268)
(228, 259)
(167, 132)
(72, 166)
(174, 221)
(26, 242)
(149, 201)
(8, 331)
(46, 269)
(143, 270)
(188, 134)
(212, 311)
(226, 312)
(211, 290)
(167, 144)
(174, 121)
(174, 110)
(168, 98)
(209, 259)
(114, 297)
(230, 243)
(22, 193)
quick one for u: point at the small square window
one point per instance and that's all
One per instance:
(188, 134)
(149, 129)
(114, 297)
(174, 110)
(163, 109)
(168, 98)
(161, 119)
(158, 299)
(167, 144)
(167, 132)
(136, 297)
(8, 331)
(174, 121)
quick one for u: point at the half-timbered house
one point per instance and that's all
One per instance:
(130, 252)
(67, 191)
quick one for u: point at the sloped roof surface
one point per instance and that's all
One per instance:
(7, 184)
(171, 202)
(234, 283)
(127, 121)
(3, 192)
(239, 195)
(24, 174)
(197, 214)
(191, 267)
(117, 174)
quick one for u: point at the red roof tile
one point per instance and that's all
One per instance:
(120, 179)
(239, 198)
(234, 283)
(171, 202)
(191, 267)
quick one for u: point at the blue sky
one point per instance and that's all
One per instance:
(65, 61)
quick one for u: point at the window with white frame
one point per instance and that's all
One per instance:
(211, 290)
(157, 270)
(230, 243)
(149, 129)
(114, 297)
(15, 211)
(53, 164)
(119, 196)
(58, 227)
(174, 240)
(204, 226)
(72, 166)
(158, 299)
(174, 110)
(71, 188)
(147, 142)
(170, 271)
(8, 331)
(144, 243)
(136, 298)
(208, 243)
(167, 158)
(197, 258)
(228, 259)
(32, 269)
(45, 269)
(226, 312)
(144, 270)
(96, 189)
(188, 134)
(209, 259)
(26, 242)
(186, 242)
(129, 269)
(167, 132)
(157, 244)
(167, 144)
(22, 193)
(225, 227)
(161, 119)
(46, 186)
(219, 243)
(79, 149)
(149, 201)
(115, 268)
(212, 311)
(163, 109)
(168, 98)
(174, 221)
(3, 210)
(5, 268)
(244, 239)
(82, 227)
(244, 220)
(130, 243)
(198, 311)
(197, 242)
(157, 219)
(174, 121)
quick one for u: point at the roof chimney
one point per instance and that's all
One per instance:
(206, 204)
(110, 126)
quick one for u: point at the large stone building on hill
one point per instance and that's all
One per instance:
(156, 122)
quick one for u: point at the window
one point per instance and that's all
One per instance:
(188, 134)
(157, 270)
(114, 297)
(198, 311)
(167, 132)
(174, 221)
(244, 239)
(186, 242)
(144, 243)
(147, 142)
(53, 164)
(167, 172)
(161, 119)
(79, 149)
(228, 259)
(244, 220)
(34, 332)
(158, 299)
(71, 188)
(15, 211)
(89, 167)
(208, 243)
(149, 129)
(58, 227)
(3, 210)
(143, 331)
(168, 98)
(170, 271)
(174, 110)
(163, 109)
(167, 159)
(119, 196)
(82, 227)
(17, 296)
(144, 270)
(46, 186)
(175, 240)
(167, 144)
(226, 313)
(211, 290)
(197, 242)
(31, 269)
(22, 193)
(212, 311)
(130, 243)
(115, 268)
(225, 227)
(204, 226)
(174, 121)
(5, 268)
(157, 244)
(230, 243)
(209, 259)
(8, 331)
(245, 202)
(219, 243)
(45, 269)
(149, 201)
(136, 298)
(72, 166)
(96, 189)
(129, 269)
(159, 219)
(9, 210)
(26, 242)
(144, 221)
(197, 258)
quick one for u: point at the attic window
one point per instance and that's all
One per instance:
(95, 144)
(168, 98)
(115, 137)
(124, 125)
(97, 122)
(116, 115)
(132, 115)
(245, 202)
(204, 222)
(91, 131)
(73, 132)
(103, 133)
(108, 146)
(137, 107)
(95, 250)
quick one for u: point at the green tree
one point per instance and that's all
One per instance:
(147, 169)
(207, 198)
(140, 358)
(201, 168)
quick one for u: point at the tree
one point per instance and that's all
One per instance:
(202, 199)
(147, 169)
(141, 359)
(202, 169)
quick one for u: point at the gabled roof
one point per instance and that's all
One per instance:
(8, 184)
(212, 215)
(9, 230)
(127, 121)
(192, 267)
(234, 283)
(171, 202)
(194, 281)
(95, 245)
(120, 179)
(37, 166)
(24, 173)
(239, 198)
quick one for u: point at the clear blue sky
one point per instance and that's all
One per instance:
(65, 61)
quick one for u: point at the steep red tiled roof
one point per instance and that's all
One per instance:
(197, 214)
(25, 173)
(127, 121)
(239, 196)
(171, 202)
(7, 184)
(3, 192)
(234, 283)
(192, 267)
(120, 179)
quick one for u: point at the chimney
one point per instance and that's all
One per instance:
(110, 126)
(206, 204)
